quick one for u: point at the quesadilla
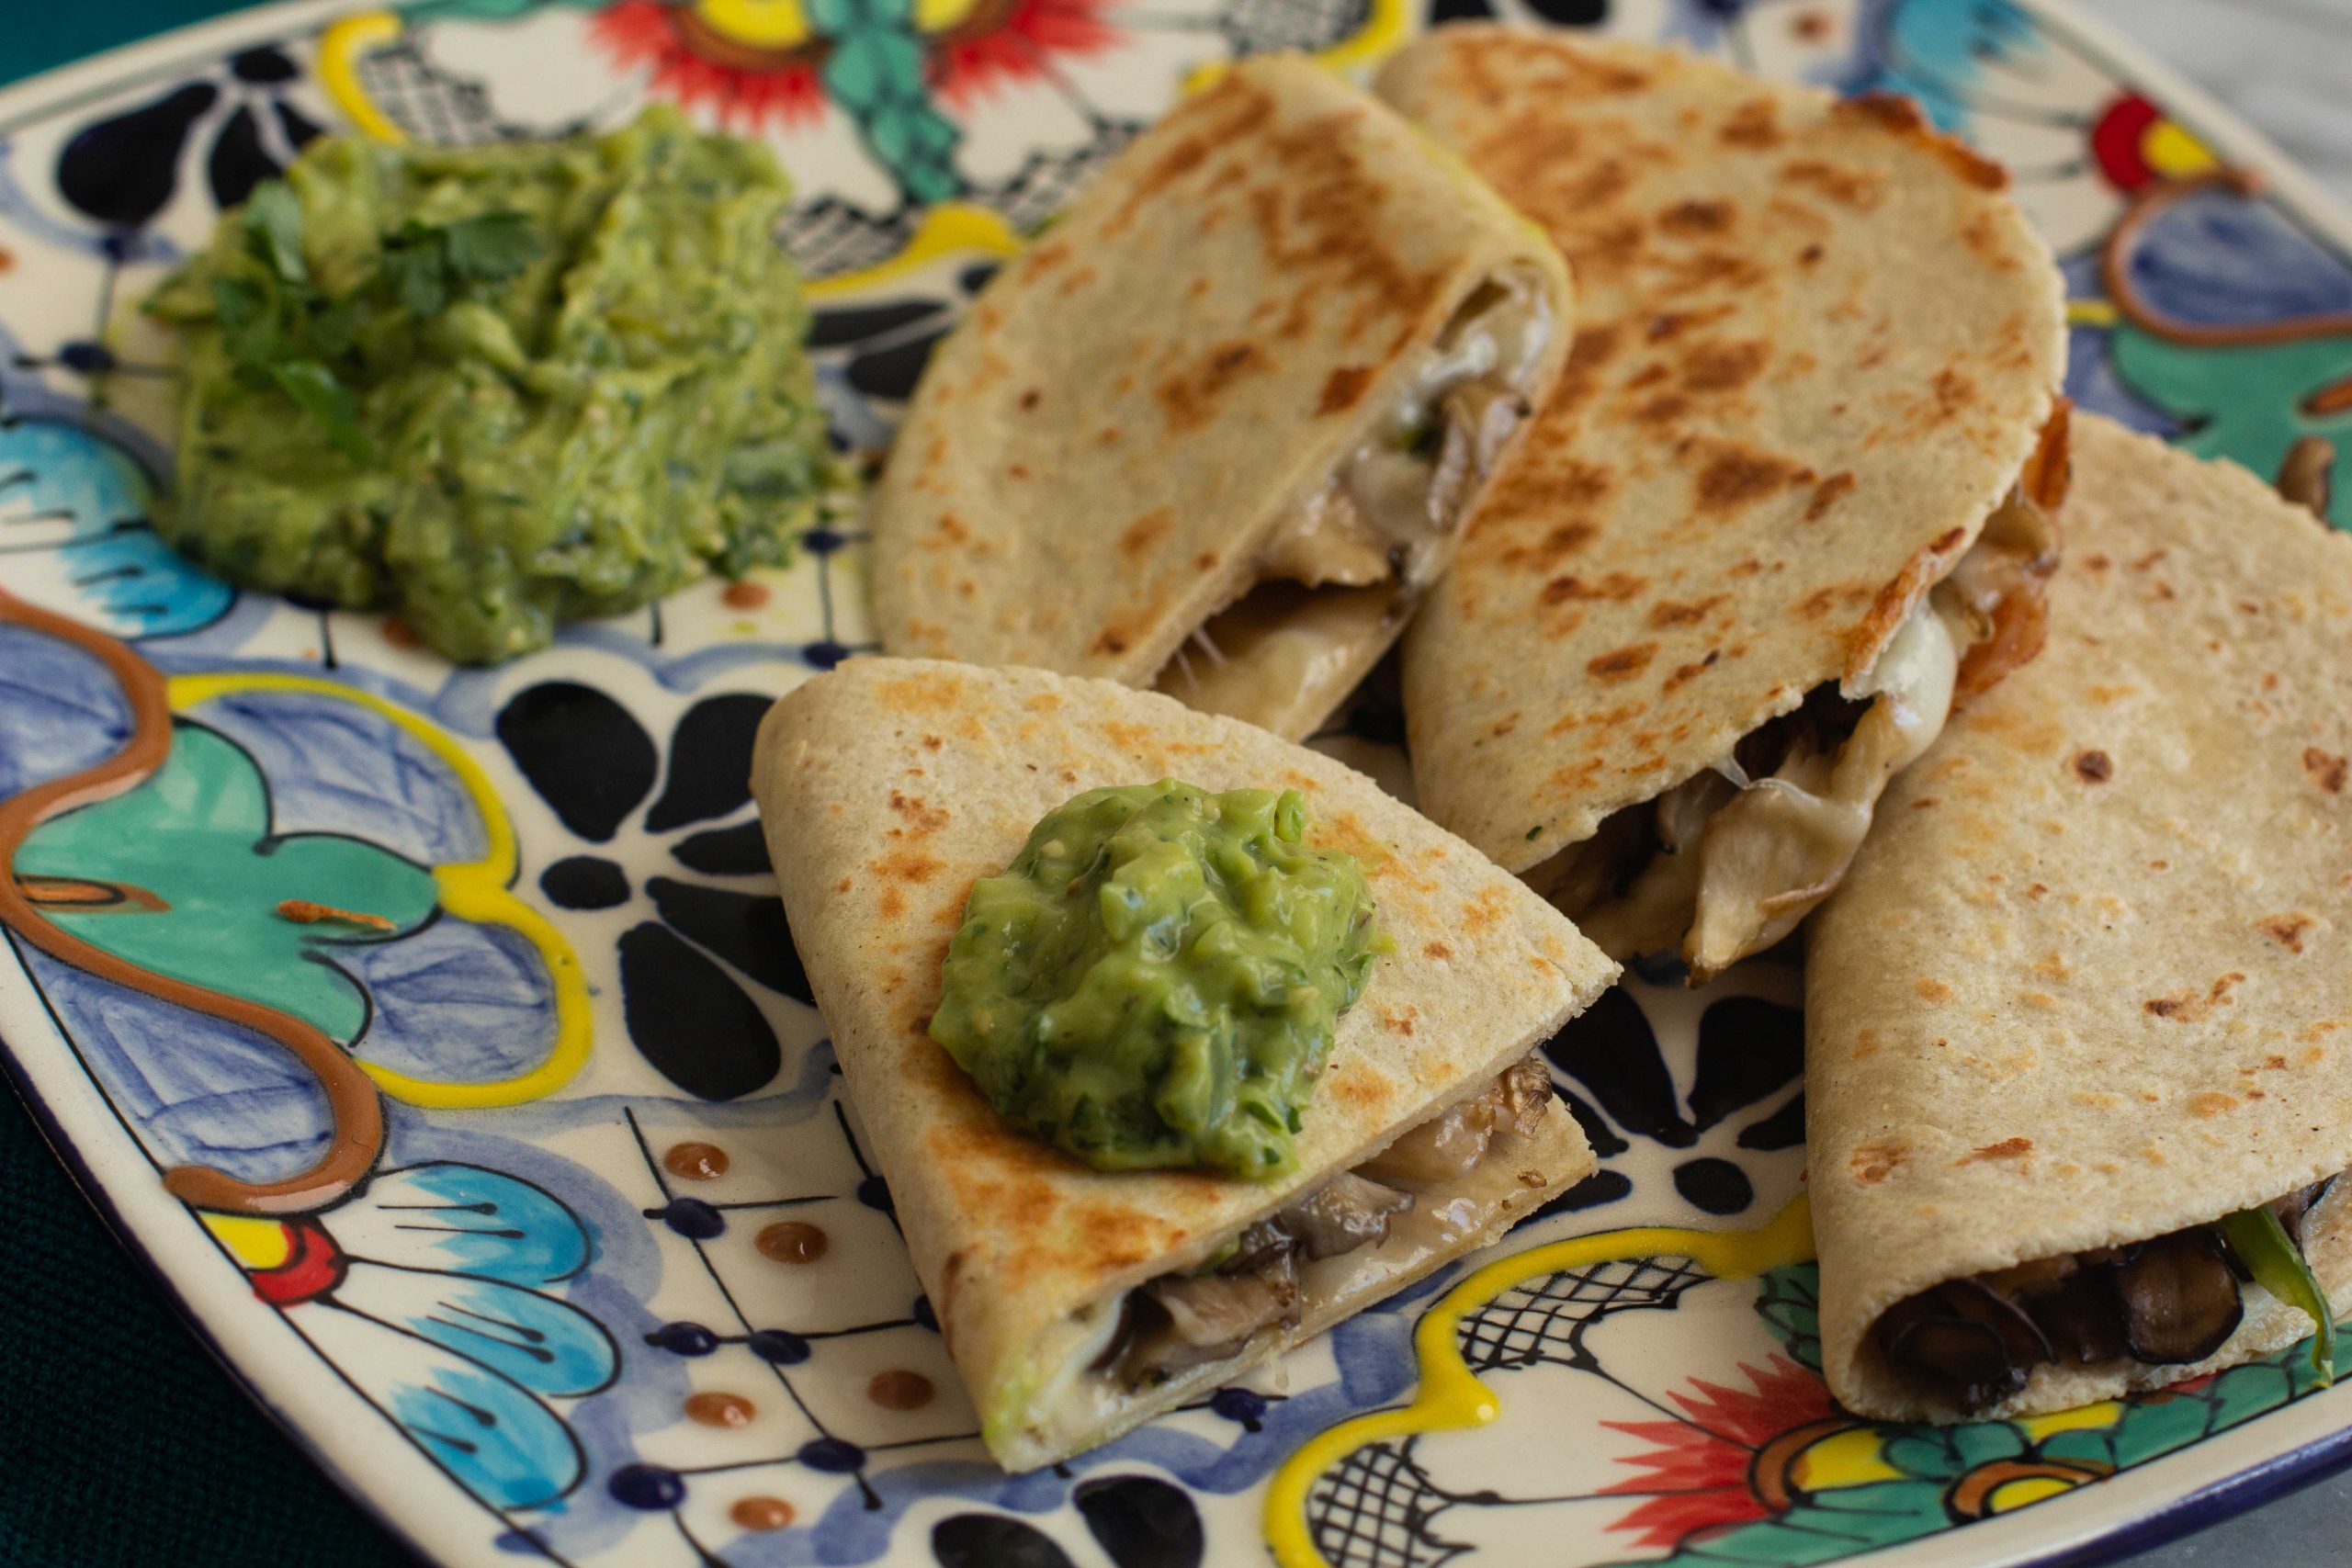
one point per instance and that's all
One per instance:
(1785, 503)
(2077, 1023)
(1216, 429)
(1080, 1301)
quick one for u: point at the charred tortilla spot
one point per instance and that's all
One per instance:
(1828, 492)
(2094, 767)
(1672, 613)
(1696, 218)
(1737, 478)
(1873, 1162)
(1343, 388)
(1622, 664)
(1723, 366)
(2190, 1008)
(2327, 769)
(1754, 124)
(2007, 1148)
(2287, 931)
(1685, 674)
(1933, 990)
(1030, 399)
(1190, 397)
(1860, 189)
(1145, 532)
(1904, 117)
(1618, 587)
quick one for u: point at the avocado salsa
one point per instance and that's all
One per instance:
(1156, 979)
(497, 387)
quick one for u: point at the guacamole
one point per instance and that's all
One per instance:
(496, 388)
(1155, 979)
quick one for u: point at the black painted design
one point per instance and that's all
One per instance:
(1601, 1187)
(1596, 1129)
(1142, 1522)
(891, 372)
(749, 930)
(1717, 1186)
(688, 1019)
(1612, 1051)
(739, 851)
(300, 128)
(581, 752)
(831, 329)
(124, 170)
(1747, 1048)
(238, 162)
(1443, 11)
(264, 67)
(710, 762)
(1784, 1129)
(1571, 13)
(585, 882)
(993, 1541)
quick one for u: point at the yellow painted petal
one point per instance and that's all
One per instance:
(256, 1244)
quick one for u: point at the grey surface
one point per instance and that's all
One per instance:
(2286, 66)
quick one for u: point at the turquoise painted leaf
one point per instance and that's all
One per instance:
(462, 1219)
(197, 836)
(497, 1439)
(541, 1344)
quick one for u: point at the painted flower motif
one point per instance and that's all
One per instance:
(124, 170)
(1749, 1050)
(430, 1291)
(682, 971)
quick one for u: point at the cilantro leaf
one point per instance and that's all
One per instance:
(490, 247)
(426, 266)
(274, 230)
(315, 390)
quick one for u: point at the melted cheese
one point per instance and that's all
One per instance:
(1372, 537)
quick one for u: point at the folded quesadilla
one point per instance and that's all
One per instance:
(1783, 503)
(1218, 428)
(2077, 1023)
(1080, 1301)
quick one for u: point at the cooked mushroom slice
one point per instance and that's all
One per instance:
(1442, 1149)
(1342, 1214)
(2180, 1297)
(2291, 1209)
(1967, 1343)
(2082, 1317)
(1182, 1320)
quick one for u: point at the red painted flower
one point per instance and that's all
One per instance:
(1724, 1464)
(707, 55)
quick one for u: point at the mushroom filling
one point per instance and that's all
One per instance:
(2171, 1301)
(1211, 1314)
(1726, 863)
(1357, 553)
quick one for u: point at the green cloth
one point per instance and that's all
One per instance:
(43, 33)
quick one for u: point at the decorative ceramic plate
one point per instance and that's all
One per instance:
(614, 1282)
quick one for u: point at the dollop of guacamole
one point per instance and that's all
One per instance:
(1155, 979)
(496, 388)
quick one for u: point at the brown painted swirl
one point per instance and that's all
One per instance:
(356, 1113)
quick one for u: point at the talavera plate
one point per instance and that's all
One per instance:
(558, 1314)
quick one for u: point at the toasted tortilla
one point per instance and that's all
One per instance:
(1101, 458)
(1816, 343)
(888, 787)
(2087, 983)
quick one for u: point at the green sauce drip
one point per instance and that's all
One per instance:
(1156, 979)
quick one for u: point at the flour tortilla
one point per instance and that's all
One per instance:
(1816, 344)
(888, 787)
(1096, 461)
(2088, 982)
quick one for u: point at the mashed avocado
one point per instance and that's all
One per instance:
(1155, 979)
(496, 388)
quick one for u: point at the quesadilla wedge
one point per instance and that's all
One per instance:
(2077, 1023)
(1079, 1302)
(1783, 503)
(1218, 428)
